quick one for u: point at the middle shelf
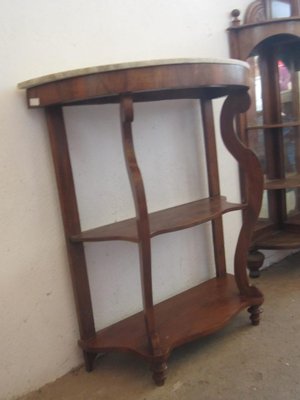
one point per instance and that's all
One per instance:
(163, 221)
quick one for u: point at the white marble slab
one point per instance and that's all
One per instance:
(117, 67)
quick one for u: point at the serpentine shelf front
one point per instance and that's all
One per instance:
(163, 221)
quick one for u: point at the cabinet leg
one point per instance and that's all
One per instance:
(255, 312)
(255, 261)
(89, 359)
(159, 372)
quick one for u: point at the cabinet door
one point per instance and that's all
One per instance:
(273, 123)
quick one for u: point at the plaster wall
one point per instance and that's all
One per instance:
(38, 323)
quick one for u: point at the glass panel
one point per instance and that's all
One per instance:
(292, 201)
(281, 9)
(288, 60)
(286, 92)
(282, 133)
(254, 114)
(256, 142)
(289, 96)
(291, 145)
(264, 211)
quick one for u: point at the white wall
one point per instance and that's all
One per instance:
(38, 323)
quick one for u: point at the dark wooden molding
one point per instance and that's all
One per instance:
(256, 12)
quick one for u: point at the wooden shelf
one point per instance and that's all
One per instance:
(290, 182)
(281, 239)
(293, 224)
(289, 124)
(294, 219)
(263, 225)
(201, 311)
(163, 221)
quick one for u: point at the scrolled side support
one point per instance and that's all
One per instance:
(143, 227)
(236, 103)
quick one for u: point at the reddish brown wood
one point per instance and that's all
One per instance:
(67, 195)
(261, 10)
(159, 369)
(273, 137)
(255, 262)
(164, 221)
(233, 105)
(142, 220)
(249, 35)
(289, 182)
(157, 329)
(264, 37)
(213, 182)
(256, 12)
(271, 126)
(295, 7)
(145, 83)
(200, 311)
(282, 239)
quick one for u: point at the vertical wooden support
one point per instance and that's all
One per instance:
(238, 103)
(70, 215)
(143, 228)
(213, 182)
(296, 108)
(295, 8)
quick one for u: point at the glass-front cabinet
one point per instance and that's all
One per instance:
(269, 40)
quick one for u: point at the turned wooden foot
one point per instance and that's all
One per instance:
(255, 262)
(159, 372)
(255, 312)
(89, 359)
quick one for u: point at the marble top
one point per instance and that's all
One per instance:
(123, 66)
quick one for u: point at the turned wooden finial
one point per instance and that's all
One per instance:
(235, 14)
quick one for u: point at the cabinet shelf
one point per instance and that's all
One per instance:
(163, 221)
(290, 182)
(294, 219)
(281, 239)
(200, 311)
(271, 126)
(289, 124)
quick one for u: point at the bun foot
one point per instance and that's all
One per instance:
(255, 262)
(255, 312)
(159, 372)
(89, 359)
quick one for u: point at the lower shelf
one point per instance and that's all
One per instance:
(191, 314)
(279, 240)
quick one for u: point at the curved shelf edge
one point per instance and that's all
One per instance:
(277, 240)
(289, 124)
(290, 182)
(200, 311)
(163, 221)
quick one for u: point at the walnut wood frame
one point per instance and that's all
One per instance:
(155, 331)
(281, 232)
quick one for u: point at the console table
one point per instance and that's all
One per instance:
(155, 331)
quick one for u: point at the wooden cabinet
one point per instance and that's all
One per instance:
(269, 41)
(207, 307)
